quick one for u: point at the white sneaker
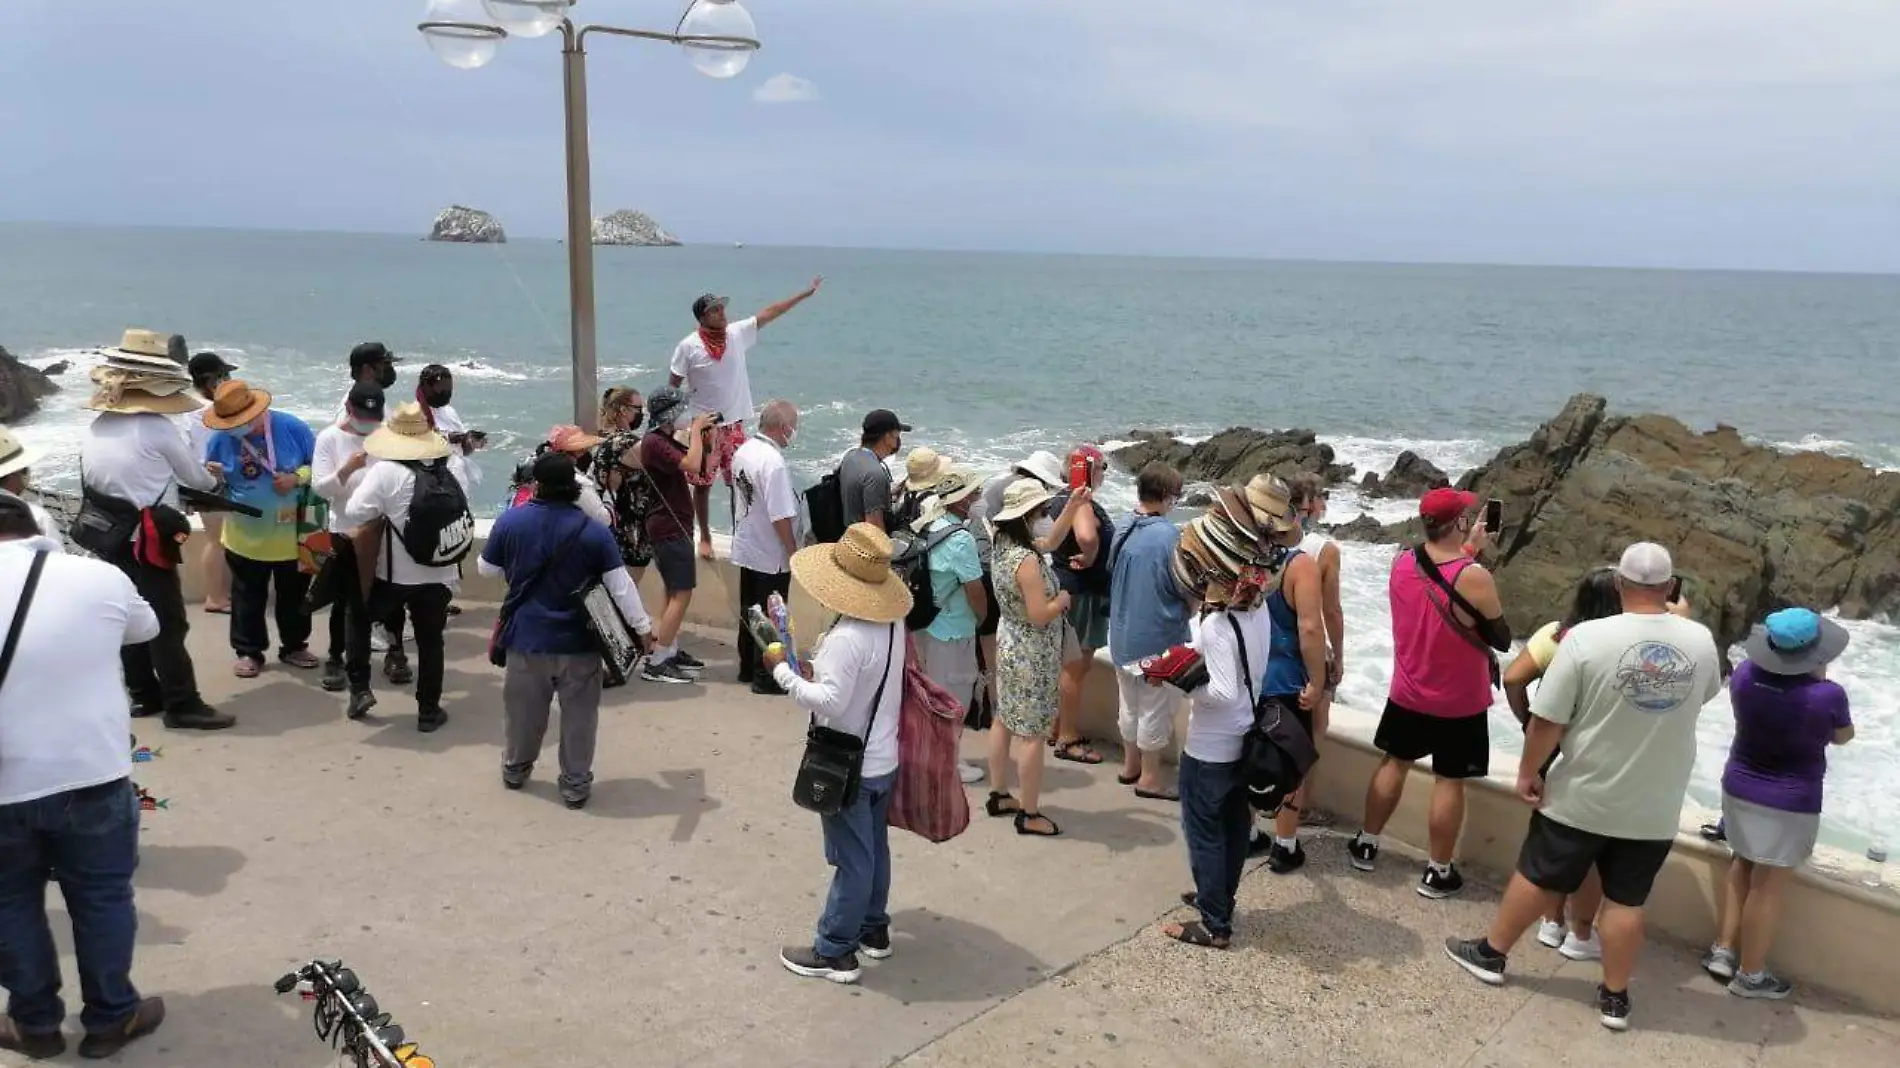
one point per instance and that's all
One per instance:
(971, 773)
(1575, 948)
(1551, 933)
(378, 638)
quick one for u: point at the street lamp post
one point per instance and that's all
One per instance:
(717, 35)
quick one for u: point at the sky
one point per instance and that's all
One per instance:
(1760, 134)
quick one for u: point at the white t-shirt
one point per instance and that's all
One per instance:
(762, 495)
(1220, 712)
(385, 493)
(67, 717)
(1629, 689)
(335, 445)
(718, 385)
(844, 679)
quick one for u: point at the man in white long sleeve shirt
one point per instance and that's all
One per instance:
(855, 684)
(547, 550)
(336, 472)
(67, 807)
(435, 388)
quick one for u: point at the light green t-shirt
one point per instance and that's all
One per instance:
(1629, 689)
(1543, 645)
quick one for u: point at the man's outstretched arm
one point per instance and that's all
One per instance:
(773, 311)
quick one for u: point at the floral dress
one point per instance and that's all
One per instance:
(1028, 657)
(629, 503)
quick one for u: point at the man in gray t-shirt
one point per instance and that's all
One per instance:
(864, 483)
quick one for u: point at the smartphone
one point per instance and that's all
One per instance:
(1493, 515)
(1675, 591)
(1081, 474)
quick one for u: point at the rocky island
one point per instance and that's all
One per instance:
(21, 388)
(631, 228)
(1752, 528)
(468, 225)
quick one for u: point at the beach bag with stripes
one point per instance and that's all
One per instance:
(928, 799)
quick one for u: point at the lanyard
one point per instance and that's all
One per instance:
(269, 460)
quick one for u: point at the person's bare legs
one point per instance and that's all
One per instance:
(1069, 685)
(1150, 771)
(1384, 793)
(1763, 908)
(988, 643)
(1734, 903)
(217, 578)
(1621, 929)
(672, 617)
(1524, 902)
(1029, 767)
(702, 510)
(1286, 822)
(999, 756)
(1447, 819)
(1584, 906)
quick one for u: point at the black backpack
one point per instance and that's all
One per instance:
(824, 505)
(911, 562)
(440, 530)
(1097, 578)
(1276, 753)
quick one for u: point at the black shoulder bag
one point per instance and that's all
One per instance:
(1276, 752)
(833, 764)
(1427, 567)
(19, 614)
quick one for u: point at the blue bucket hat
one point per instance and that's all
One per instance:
(1795, 641)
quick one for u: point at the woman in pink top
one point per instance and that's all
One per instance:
(1446, 619)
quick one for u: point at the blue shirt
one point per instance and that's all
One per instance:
(1147, 612)
(1286, 665)
(952, 563)
(248, 471)
(549, 619)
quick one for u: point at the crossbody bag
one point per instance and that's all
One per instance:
(1428, 568)
(833, 765)
(19, 614)
(1277, 752)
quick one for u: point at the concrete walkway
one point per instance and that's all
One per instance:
(503, 930)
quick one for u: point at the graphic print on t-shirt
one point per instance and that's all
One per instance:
(1655, 677)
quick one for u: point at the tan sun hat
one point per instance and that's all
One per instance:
(923, 467)
(852, 576)
(1023, 496)
(14, 455)
(406, 435)
(957, 484)
(132, 392)
(1271, 500)
(234, 405)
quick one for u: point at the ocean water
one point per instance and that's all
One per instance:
(992, 356)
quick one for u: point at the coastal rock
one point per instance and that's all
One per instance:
(1233, 455)
(1751, 528)
(56, 368)
(21, 388)
(1412, 475)
(458, 223)
(631, 228)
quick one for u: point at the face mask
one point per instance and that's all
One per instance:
(363, 427)
(386, 376)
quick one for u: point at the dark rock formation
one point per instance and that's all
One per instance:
(457, 223)
(1412, 475)
(56, 368)
(21, 388)
(1751, 528)
(1234, 455)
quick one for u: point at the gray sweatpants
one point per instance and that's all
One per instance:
(527, 697)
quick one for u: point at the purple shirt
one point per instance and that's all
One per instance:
(1783, 726)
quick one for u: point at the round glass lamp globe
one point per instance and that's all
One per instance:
(527, 18)
(466, 41)
(718, 18)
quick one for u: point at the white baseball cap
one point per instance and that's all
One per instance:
(1646, 564)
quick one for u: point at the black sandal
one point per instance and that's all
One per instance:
(1022, 825)
(1127, 780)
(1069, 751)
(994, 806)
(1194, 933)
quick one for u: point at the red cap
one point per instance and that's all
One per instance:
(1089, 453)
(1446, 504)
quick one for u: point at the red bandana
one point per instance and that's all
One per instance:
(715, 343)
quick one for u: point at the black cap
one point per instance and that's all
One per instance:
(706, 303)
(554, 470)
(208, 365)
(16, 509)
(367, 353)
(435, 372)
(366, 402)
(883, 421)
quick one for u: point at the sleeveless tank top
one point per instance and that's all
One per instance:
(1286, 670)
(1435, 671)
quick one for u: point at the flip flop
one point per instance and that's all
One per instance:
(1195, 934)
(1068, 751)
(1127, 780)
(221, 610)
(1158, 795)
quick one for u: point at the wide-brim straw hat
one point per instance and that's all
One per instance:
(128, 392)
(144, 350)
(852, 576)
(1023, 496)
(1795, 641)
(14, 454)
(236, 404)
(923, 468)
(1272, 502)
(957, 485)
(406, 435)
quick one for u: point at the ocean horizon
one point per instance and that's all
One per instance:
(993, 355)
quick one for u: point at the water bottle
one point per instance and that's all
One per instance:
(1877, 860)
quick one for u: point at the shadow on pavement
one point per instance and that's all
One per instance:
(200, 871)
(152, 931)
(1712, 1013)
(942, 958)
(1327, 933)
(680, 794)
(1121, 830)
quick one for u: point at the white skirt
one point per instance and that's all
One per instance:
(1770, 836)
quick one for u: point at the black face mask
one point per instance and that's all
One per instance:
(386, 376)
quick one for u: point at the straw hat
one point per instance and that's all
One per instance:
(14, 456)
(1023, 496)
(957, 484)
(923, 467)
(406, 435)
(144, 350)
(569, 438)
(235, 404)
(1272, 502)
(852, 576)
(128, 390)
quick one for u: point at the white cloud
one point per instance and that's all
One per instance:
(785, 89)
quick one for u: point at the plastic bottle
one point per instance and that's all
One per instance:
(1877, 864)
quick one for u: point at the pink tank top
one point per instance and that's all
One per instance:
(1435, 671)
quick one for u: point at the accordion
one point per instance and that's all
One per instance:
(620, 647)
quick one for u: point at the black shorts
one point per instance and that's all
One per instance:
(678, 568)
(1557, 857)
(987, 627)
(1460, 748)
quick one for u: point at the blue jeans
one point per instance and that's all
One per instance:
(858, 847)
(1217, 822)
(88, 840)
